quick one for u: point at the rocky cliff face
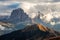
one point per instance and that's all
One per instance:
(18, 15)
(31, 32)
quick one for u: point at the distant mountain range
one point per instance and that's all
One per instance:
(17, 15)
(31, 32)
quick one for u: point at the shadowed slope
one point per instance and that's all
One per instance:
(31, 32)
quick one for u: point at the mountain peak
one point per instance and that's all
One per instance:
(31, 32)
(18, 15)
(36, 27)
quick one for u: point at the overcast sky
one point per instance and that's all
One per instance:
(6, 6)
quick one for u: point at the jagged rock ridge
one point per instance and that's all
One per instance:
(18, 15)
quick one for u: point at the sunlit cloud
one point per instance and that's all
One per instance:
(48, 17)
(52, 23)
(2, 28)
(26, 6)
(6, 7)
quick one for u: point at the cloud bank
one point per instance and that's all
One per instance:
(31, 7)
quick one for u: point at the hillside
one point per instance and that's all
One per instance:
(31, 32)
